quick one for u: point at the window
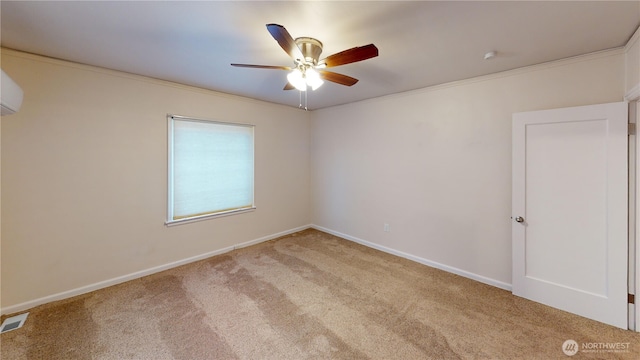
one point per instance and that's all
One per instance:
(210, 169)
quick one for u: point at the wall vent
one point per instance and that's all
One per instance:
(14, 322)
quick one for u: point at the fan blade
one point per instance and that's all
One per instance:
(262, 66)
(287, 43)
(289, 86)
(337, 78)
(352, 55)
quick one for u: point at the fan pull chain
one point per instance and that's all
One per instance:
(300, 100)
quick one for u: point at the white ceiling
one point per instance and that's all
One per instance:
(421, 43)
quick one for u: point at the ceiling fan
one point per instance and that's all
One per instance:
(308, 69)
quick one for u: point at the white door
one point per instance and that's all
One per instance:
(569, 230)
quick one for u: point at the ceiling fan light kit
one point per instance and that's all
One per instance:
(302, 77)
(308, 69)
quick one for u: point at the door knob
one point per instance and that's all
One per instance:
(519, 219)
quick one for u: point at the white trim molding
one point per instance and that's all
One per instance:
(635, 37)
(633, 94)
(136, 275)
(634, 259)
(633, 97)
(423, 261)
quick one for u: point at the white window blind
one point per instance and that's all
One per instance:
(210, 168)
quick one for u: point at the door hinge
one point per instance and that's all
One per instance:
(632, 129)
(631, 299)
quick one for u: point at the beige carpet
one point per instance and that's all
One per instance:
(309, 295)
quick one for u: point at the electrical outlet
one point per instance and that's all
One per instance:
(387, 228)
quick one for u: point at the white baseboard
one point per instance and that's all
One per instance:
(118, 280)
(447, 268)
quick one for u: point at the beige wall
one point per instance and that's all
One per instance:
(435, 164)
(84, 170)
(84, 184)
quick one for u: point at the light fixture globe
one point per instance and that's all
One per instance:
(304, 76)
(296, 78)
(313, 78)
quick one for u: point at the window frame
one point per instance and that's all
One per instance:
(170, 221)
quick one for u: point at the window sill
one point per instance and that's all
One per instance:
(209, 216)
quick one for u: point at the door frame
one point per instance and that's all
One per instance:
(635, 106)
(634, 260)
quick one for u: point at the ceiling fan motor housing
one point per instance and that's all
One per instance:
(311, 49)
